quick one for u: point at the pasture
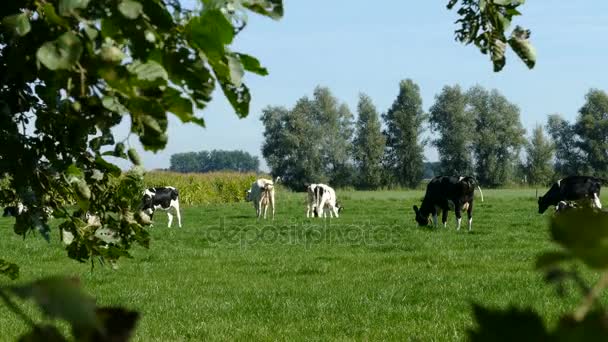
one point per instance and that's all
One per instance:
(372, 274)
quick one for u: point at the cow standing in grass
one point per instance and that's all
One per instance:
(443, 193)
(165, 198)
(572, 188)
(262, 196)
(321, 196)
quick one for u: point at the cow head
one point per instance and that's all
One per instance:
(420, 218)
(542, 205)
(147, 205)
(340, 207)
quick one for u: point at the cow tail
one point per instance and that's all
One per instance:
(481, 193)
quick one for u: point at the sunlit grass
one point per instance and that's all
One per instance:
(371, 274)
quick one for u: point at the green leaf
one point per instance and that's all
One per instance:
(46, 333)
(19, 23)
(508, 2)
(238, 97)
(148, 71)
(62, 53)
(59, 297)
(134, 156)
(66, 7)
(51, 16)
(592, 328)
(270, 8)
(130, 9)
(90, 31)
(584, 233)
(250, 63)
(9, 269)
(522, 47)
(551, 259)
(508, 325)
(210, 32)
(113, 104)
(236, 71)
(175, 103)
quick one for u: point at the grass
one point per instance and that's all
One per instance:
(372, 274)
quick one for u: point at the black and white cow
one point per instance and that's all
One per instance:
(572, 188)
(444, 193)
(165, 198)
(321, 196)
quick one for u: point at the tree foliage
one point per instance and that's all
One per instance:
(216, 160)
(592, 130)
(485, 23)
(368, 144)
(404, 158)
(568, 160)
(499, 136)
(449, 118)
(72, 70)
(539, 157)
(311, 142)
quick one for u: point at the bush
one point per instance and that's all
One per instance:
(204, 188)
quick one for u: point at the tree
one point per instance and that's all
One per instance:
(499, 136)
(216, 160)
(449, 118)
(404, 157)
(592, 130)
(539, 156)
(568, 159)
(368, 144)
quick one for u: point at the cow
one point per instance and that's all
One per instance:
(165, 198)
(443, 193)
(572, 188)
(322, 196)
(261, 195)
(20, 208)
(563, 206)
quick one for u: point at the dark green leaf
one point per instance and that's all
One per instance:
(18, 23)
(134, 156)
(250, 63)
(271, 8)
(46, 333)
(521, 45)
(584, 233)
(508, 325)
(9, 269)
(66, 7)
(238, 97)
(211, 32)
(130, 9)
(551, 259)
(62, 298)
(117, 325)
(51, 16)
(594, 327)
(148, 71)
(62, 53)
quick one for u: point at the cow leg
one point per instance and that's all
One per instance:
(170, 216)
(272, 202)
(470, 214)
(336, 211)
(435, 209)
(265, 206)
(596, 199)
(458, 213)
(179, 216)
(444, 218)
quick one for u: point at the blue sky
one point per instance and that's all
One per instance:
(364, 46)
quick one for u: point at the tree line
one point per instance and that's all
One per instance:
(476, 132)
(215, 160)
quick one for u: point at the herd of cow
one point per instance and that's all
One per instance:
(443, 193)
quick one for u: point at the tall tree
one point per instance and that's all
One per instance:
(404, 159)
(539, 157)
(568, 156)
(216, 160)
(335, 123)
(592, 129)
(449, 118)
(368, 144)
(499, 136)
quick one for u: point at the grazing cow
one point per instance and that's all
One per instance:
(262, 196)
(443, 193)
(563, 206)
(322, 196)
(165, 198)
(20, 208)
(572, 188)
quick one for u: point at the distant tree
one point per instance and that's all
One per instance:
(404, 156)
(499, 136)
(568, 156)
(216, 160)
(539, 156)
(430, 170)
(449, 118)
(368, 144)
(335, 124)
(592, 129)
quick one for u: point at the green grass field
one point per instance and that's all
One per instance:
(372, 274)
